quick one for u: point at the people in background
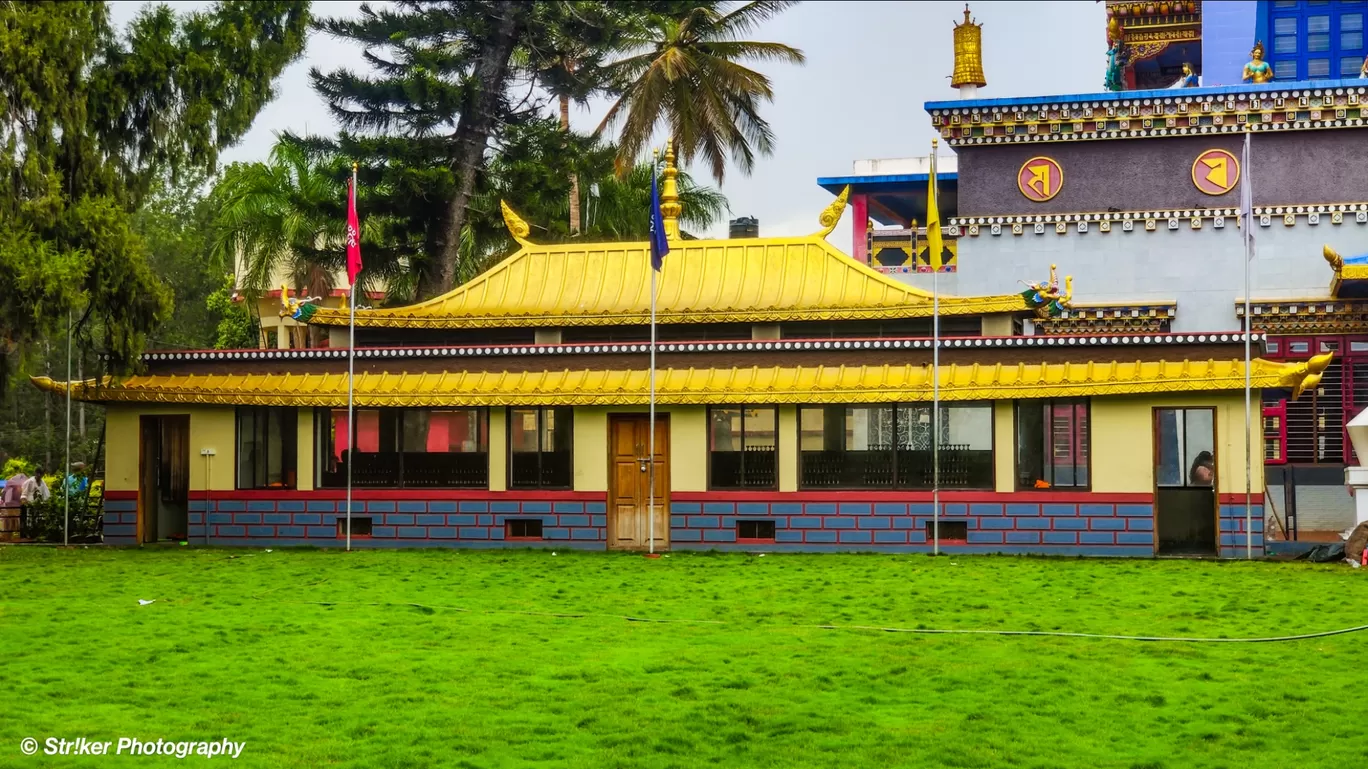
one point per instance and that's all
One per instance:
(1203, 470)
(35, 489)
(10, 504)
(77, 481)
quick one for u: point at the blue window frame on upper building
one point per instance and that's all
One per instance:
(1315, 39)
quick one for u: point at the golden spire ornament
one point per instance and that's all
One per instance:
(670, 207)
(968, 75)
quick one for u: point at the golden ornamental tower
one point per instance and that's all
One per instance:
(670, 207)
(968, 76)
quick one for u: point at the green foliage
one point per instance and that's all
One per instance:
(94, 121)
(685, 74)
(237, 329)
(176, 223)
(15, 465)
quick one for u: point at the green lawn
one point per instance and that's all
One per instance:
(482, 675)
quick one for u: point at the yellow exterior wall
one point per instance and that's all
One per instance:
(210, 427)
(1004, 446)
(498, 449)
(304, 447)
(1123, 441)
(1122, 444)
(788, 448)
(688, 446)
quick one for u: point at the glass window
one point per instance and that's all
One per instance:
(1351, 40)
(743, 447)
(1285, 26)
(1285, 44)
(266, 447)
(874, 447)
(1285, 4)
(1187, 447)
(1053, 440)
(1316, 24)
(1285, 69)
(1318, 68)
(540, 448)
(1317, 43)
(1349, 67)
(442, 448)
(1351, 22)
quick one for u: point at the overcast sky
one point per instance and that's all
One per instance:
(870, 68)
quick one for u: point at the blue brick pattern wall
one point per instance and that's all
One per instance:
(1232, 532)
(464, 523)
(1014, 527)
(120, 521)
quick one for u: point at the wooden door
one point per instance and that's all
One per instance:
(149, 453)
(629, 522)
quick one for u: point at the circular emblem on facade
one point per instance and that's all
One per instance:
(1040, 179)
(1215, 172)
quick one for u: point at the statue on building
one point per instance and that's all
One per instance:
(1046, 298)
(1257, 70)
(1363, 71)
(1189, 78)
(1117, 57)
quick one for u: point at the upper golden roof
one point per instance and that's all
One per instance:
(760, 280)
(759, 385)
(757, 280)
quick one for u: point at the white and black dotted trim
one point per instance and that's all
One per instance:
(786, 345)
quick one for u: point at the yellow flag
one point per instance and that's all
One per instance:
(934, 246)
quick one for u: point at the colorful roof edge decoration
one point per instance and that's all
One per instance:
(701, 386)
(1347, 269)
(753, 280)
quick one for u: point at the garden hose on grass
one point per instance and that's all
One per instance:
(922, 631)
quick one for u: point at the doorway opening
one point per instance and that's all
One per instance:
(1185, 510)
(164, 482)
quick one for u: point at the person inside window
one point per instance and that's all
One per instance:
(1203, 470)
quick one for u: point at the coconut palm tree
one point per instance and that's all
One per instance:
(687, 76)
(620, 208)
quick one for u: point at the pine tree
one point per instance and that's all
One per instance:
(445, 79)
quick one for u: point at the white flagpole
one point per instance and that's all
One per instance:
(351, 376)
(66, 477)
(935, 377)
(650, 451)
(1247, 198)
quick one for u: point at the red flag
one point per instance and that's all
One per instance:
(353, 234)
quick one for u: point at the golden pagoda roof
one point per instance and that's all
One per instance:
(760, 280)
(753, 280)
(758, 385)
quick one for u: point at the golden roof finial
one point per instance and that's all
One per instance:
(968, 53)
(670, 207)
(1336, 261)
(518, 228)
(831, 215)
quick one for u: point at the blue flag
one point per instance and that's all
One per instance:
(659, 245)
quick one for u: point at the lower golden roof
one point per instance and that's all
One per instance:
(800, 384)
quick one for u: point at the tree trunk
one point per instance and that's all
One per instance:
(472, 136)
(574, 178)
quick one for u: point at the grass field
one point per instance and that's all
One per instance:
(233, 648)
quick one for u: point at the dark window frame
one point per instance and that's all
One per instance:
(541, 452)
(366, 522)
(289, 433)
(391, 423)
(510, 523)
(1186, 466)
(1076, 440)
(756, 527)
(896, 473)
(743, 486)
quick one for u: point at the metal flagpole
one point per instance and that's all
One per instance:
(935, 372)
(650, 450)
(1247, 199)
(351, 376)
(66, 477)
